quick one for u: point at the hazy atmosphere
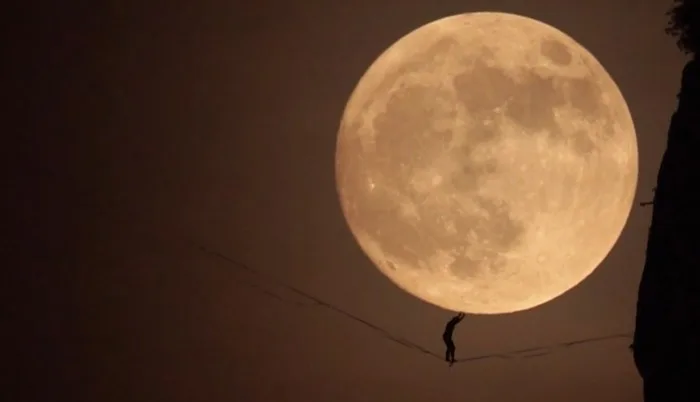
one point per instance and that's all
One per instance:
(169, 133)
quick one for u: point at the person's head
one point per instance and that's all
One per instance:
(684, 25)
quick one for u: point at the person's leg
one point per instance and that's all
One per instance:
(450, 351)
(446, 340)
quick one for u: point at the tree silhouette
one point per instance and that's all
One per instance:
(684, 17)
(666, 346)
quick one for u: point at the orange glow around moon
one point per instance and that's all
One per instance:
(486, 163)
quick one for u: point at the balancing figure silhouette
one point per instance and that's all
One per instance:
(447, 338)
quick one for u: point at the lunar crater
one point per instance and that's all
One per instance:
(556, 51)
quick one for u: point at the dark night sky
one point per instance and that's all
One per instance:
(161, 127)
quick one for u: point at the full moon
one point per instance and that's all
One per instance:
(486, 163)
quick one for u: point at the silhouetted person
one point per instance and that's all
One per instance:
(447, 337)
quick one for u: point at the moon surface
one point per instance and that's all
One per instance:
(486, 163)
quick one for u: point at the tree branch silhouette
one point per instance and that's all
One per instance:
(683, 21)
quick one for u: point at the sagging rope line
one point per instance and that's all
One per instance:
(251, 283)
(322, 303)
(536, 351)
(273, 294)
